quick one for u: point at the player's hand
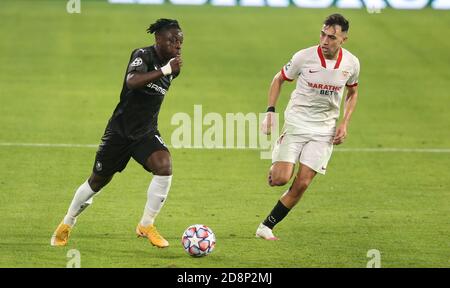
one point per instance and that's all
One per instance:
(341, 134)
(172, 67)
(268, 123)
(176, 64)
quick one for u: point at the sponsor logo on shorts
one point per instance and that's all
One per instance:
(98, 166)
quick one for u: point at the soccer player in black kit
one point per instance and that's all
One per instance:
(132, 131)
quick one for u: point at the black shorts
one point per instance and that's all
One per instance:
(115, 151)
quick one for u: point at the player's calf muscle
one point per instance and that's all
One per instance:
(97, 182)
(299, 187)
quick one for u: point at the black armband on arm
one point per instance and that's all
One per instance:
(271, 109)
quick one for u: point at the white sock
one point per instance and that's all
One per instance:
(82, 199)
(156, 196)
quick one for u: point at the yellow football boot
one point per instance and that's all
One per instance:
(61, 235)
(152, 235)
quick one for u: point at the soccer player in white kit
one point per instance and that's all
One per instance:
(322, 72)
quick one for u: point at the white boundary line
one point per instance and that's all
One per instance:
(400, 150)
(51, 145)
(409, 150)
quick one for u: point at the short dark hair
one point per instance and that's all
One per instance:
(337, 19)
(162, 25)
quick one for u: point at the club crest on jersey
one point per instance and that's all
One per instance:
(136, 62)
(346, 73)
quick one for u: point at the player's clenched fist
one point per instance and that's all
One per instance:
(173, 66)
(176, 64)
(268, 123)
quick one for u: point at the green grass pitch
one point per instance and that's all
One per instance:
(60, 79)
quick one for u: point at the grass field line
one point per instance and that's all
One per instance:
(379, 149)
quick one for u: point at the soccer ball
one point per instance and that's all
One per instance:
(198, 240)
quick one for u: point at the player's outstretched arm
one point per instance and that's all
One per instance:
(349, 107)
(274, 93)
(136, 80)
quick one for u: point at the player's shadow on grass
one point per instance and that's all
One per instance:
(231, 236)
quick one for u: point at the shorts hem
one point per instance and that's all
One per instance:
(320, 171)
(283, 160)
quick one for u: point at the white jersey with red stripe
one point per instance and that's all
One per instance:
(315, 103)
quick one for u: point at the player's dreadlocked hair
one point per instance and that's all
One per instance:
(337, 19)
(162, 24)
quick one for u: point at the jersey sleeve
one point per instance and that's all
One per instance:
(353, 80)
(138, 62)
(292, 69)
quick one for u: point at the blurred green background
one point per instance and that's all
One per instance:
(61, 78)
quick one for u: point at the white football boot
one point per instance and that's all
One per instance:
(265, 232)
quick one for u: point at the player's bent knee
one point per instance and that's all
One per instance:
(280, 174)
(162, 168)
(278, 180)
(159, 163)
(165, 170)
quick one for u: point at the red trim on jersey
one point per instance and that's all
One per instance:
(339, 59)
(322, 59)
(284, 75)
(352, 85)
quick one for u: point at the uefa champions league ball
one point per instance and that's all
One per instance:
(198, 240)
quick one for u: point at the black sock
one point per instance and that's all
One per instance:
(278, 213)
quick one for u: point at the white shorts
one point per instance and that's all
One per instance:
(313, 151)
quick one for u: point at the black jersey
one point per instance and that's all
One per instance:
(136, 115)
